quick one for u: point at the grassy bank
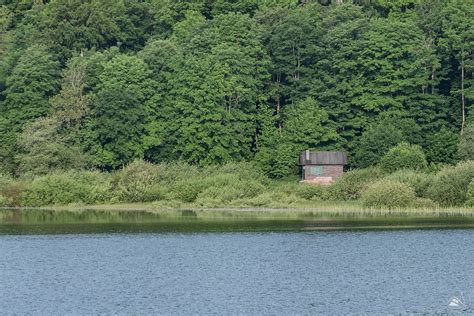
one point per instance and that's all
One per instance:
(296, 210)
(140, 218)
(242, 187)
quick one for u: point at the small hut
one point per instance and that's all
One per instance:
(322, 167)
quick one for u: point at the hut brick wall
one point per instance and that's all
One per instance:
(330, 173)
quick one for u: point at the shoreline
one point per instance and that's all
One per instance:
(143, 218)
(351, 209)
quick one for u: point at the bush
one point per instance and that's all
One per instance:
(4, 180)
(186, 191)
(313, 192)
(221, 186)
(169, 173)
(466, 143)
(470, 194)
(418, 181)
(137, 182)
(404, 156)
(13, 191)
(442, 146)
(351, 185)
(4, 201)
(450, 185)
(225, 193)
(388, 194)
(83, 187)
(271, 199)
(375, 142)
(244, 170)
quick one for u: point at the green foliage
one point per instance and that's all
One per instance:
(404, 156)
(442, 147)
(139, 182)
(115, 133)
(220, 185)
(450, 186)
(466, 144)
(4, 201)
(41, 149)
(388, 194)
(33, 80)
(470, 194)
(214, 82)
(351, 185)
(418, 181)
(375, 143)
(72, 25)
(4, 180)
(83, 187)
(313, 192)
(306, 125)
(71, 104)
(222, 190)
(13, 191)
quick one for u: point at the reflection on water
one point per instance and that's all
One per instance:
(88, 221)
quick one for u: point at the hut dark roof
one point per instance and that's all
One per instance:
(323, 158)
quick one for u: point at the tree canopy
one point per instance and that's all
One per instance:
(210, 82)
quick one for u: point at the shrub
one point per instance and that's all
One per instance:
(450, 185)
(442, 146)
(169, 173)
(388, 194)
(4, 180)
(13, 191)
(4, 201)
(375, 142)
(223, 194)
(351, 185)
(404, 156)
(244, 170)
(419, 181)
(224, 184)
(470, 194)
(186, 191)
(134, 183)
(84, 187)
(466, 143)
(312, 192)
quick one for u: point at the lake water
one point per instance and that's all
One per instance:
(97, 269)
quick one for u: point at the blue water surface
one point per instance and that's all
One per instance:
(331, 273)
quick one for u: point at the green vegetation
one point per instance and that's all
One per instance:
(388, 194)
(99, 84)
(242, 185)
(404, 156)
(220, 97)
(470, 194)
(450, 186)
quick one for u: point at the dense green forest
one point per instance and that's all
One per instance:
(97, 84)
